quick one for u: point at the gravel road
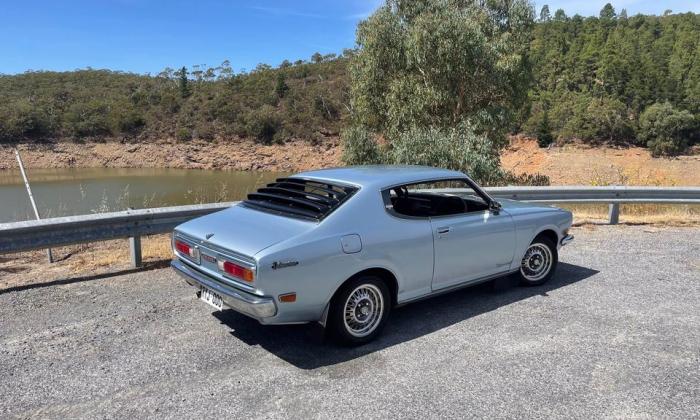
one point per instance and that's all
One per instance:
(616, 333)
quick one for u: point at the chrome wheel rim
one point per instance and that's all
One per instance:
(363, 310)
(537, 262)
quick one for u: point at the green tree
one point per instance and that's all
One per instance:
(544, 131)
(183, 82)
(281, 87)
(607, 13)
(433, 63)
(544, 14)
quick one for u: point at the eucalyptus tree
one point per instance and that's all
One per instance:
(442, 64)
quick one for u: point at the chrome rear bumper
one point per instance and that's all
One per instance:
(254, 306)
(565, 240)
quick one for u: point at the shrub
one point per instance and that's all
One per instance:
(666, 130)
(608, 120)
(579, 116)
(126, 120)
(263, 123)
(460, 148)
(23, 119)
(537, 180)
(88, 119)
(183, 134)
(359, 147)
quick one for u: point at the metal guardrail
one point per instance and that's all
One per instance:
(132, 224)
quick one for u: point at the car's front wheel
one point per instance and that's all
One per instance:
(359, 310)
(539, 262)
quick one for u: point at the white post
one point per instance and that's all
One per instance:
(613, 213)
(31, 197)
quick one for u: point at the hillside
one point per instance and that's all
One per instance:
(594, 79)
(301, 100)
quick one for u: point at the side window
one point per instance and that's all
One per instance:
(434, 199)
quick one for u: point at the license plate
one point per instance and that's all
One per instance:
(212, 298)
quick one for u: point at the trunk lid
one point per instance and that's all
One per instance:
(244, 230)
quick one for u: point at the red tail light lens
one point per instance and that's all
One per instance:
(183, 248)
(235, 270)
(187, 250)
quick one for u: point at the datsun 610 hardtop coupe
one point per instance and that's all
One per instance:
(343, 246)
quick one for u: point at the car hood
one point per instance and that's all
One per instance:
(244, 230)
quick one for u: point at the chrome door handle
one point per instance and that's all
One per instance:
(443, 230)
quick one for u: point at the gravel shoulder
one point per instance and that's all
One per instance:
(616, 333)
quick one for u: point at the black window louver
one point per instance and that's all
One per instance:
(300, 197)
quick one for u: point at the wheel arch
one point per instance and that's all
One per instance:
(387, 275)
(381, 272)
(548, 233)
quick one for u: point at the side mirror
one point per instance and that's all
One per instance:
(495, 207)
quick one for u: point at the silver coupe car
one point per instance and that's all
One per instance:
(344, 246)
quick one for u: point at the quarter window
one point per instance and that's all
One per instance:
(435, 199)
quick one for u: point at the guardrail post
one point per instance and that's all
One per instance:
(614, 213)
(135, 246)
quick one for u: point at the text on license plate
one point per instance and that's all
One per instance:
(212, 298)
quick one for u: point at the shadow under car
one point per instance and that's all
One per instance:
(305, 347)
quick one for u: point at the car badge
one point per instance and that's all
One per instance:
(208, 235)
(282, 264)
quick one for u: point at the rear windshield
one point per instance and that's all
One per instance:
(298, 197)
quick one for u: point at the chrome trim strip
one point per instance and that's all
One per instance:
(245, 303)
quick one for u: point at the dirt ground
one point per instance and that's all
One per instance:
(237, 154)
(571, 164)
(576, 164)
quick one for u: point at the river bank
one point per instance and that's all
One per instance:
(569, 164)
(239, 154)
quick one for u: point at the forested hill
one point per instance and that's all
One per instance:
(302, 99)
(611, 78)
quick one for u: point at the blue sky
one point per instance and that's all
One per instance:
(149, 35)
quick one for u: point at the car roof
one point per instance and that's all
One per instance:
(380, 176)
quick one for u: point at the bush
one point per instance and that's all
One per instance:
(608, 120)
(579, 116)
(183, 134)
(263, 123)
(88, 119)
(126, 120)
(460, 148)
(667, 130)
(22, 120)
(359, 147)
(537, 180)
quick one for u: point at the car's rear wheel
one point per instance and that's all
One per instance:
(539, 262)
(359, 310)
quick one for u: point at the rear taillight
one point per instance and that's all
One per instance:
(187, 250)
(237, 271)
(183, 248)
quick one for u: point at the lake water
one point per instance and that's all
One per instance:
(70, 191)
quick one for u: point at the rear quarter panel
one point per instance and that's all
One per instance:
(403, 247)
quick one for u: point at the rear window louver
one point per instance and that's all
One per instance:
(299, 197)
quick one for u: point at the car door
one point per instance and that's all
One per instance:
(471, 246)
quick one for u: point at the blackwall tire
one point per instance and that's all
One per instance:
(359, 310)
